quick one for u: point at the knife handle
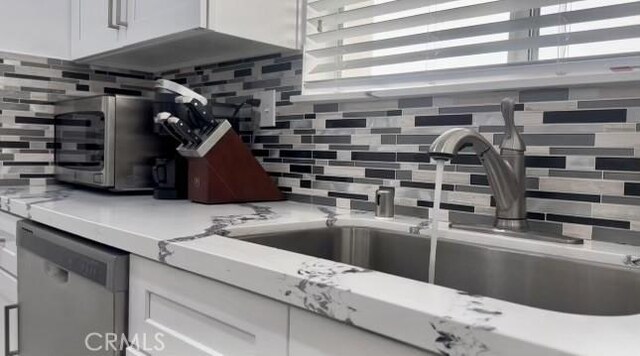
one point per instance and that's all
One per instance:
(172, 133)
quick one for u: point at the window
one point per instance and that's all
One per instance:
(356, 45)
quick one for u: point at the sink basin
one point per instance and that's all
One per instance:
(531, 279)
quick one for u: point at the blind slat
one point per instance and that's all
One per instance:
(561, 39)
(527, 23)
(324, 5)
(338, 18)
(364, 45)
(459, 13)
(486, 72)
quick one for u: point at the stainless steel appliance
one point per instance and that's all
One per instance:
(106, 141)
(542, 281)
(71, 293)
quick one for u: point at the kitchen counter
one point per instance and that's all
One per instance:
(449, 322)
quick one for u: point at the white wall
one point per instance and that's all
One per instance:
(36, 27)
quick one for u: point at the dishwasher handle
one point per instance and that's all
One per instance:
(7, 330)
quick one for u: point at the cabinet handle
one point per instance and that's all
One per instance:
(110, 23)
(119, 20)
(7, 331)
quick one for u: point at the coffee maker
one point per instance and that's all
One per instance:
(221, 168)
(170, 169)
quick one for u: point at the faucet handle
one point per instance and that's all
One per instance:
(512, 139)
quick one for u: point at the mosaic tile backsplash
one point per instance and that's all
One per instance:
(29, 88)
(583, 152)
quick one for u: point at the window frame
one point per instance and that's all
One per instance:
(521, 58)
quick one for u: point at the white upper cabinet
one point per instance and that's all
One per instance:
(151, 19)
(269, 21)
(155, 35)
(94, 28)
(36, 27)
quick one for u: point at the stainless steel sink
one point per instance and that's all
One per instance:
(531, 279)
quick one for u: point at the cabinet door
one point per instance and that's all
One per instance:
(8, 296)
(149, 19)
(313, 335)
(93, 27)
(274, 22)
(8, 249)
(172, 312)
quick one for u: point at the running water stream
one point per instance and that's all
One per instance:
(434, 220)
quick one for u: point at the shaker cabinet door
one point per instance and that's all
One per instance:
(173, 312)
(150, 19)
(95, 28)
(8, 296)
(275, 22)
(314, 335)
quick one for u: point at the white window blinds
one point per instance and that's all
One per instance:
(355, 45)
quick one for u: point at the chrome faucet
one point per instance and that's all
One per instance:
(505, 170)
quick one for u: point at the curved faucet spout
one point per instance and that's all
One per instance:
(451, 142)
(506, 182)
(500, 174)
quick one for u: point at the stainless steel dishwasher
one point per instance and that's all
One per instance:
(72, 294)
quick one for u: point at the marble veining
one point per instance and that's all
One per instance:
(632, 261)
(317, 288)
(423, 225)
(32, 195)
(46, 197)
(219, 225)
(454, 338)
(332, 216)
(442, 320)
(456, 341)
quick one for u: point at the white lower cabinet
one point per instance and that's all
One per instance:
(8, 296)
(130, 351)
(314, 335)
(8, 280)
(8, 257)
(176, 313)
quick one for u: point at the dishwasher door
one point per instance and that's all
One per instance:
(72, 294)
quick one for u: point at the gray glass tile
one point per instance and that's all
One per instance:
(620, 236)
(416, 139)
(403, 175)
(553, 94)
(422, 102)
(469, 109)
(386, 130)
(621, 200)
(615, 103)
(331, 139)
(349, 147)
(371, 181)
(362, 205)
(416, 212)
(330, 107)
(554, 140)
(591, 151)
(575, 174)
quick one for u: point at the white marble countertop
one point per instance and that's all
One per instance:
(442, 320)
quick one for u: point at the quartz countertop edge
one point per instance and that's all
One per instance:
(194, 237)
